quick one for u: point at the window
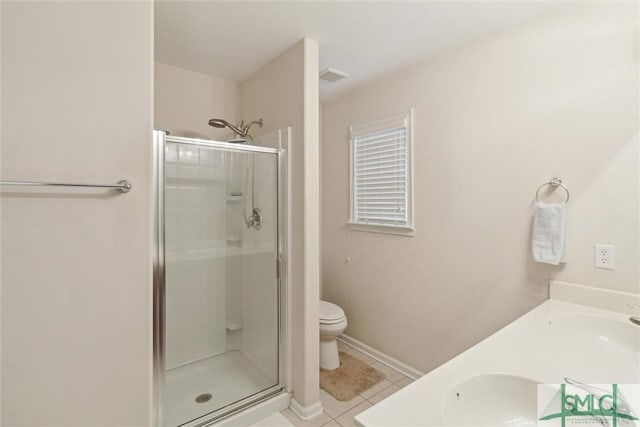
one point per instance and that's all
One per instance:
(381, 192)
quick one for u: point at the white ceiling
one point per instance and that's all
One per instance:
(233, 39)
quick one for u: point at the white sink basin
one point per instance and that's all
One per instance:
(589, 331)
(492, 399)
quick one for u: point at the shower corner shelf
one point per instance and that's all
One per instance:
(234, 325)
(234, 198)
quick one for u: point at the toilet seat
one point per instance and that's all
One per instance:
(332, 322)
(330, 314)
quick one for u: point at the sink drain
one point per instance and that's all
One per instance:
(205, 397)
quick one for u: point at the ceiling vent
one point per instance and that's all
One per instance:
(330, 75)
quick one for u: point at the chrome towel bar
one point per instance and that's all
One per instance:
(123, 185)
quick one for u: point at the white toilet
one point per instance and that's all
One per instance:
(333, 322)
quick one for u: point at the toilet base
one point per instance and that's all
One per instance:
(329, 358)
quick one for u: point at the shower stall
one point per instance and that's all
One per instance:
(218, 276)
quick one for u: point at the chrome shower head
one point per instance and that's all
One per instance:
(218, 123)
(221, 123)
(242, 130)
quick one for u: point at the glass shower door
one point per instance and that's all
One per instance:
(221, 288)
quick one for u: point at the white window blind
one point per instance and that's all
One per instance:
(380, 173)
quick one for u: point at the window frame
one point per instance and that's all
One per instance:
(405, 120)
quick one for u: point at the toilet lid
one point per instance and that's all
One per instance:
(330, 312)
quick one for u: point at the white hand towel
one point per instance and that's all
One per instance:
(548, 239)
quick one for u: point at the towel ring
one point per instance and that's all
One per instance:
(555, 183)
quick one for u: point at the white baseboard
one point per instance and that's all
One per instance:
(381, 357)
(306, 412)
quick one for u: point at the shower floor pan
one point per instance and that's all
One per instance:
(228, 377)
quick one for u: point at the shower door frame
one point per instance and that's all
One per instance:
(160, 139)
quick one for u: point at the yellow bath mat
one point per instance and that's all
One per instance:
(350, 379)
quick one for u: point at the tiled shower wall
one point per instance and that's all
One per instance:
(196, 240)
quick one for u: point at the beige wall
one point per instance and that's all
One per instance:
(185, 100)
(76, 264)
(285, 93)
(493, 121)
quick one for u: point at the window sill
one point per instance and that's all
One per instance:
(384, 229)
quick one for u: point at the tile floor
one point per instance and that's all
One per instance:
(273, 420)
(340, 414)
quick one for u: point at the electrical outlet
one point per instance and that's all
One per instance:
(605, 256)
